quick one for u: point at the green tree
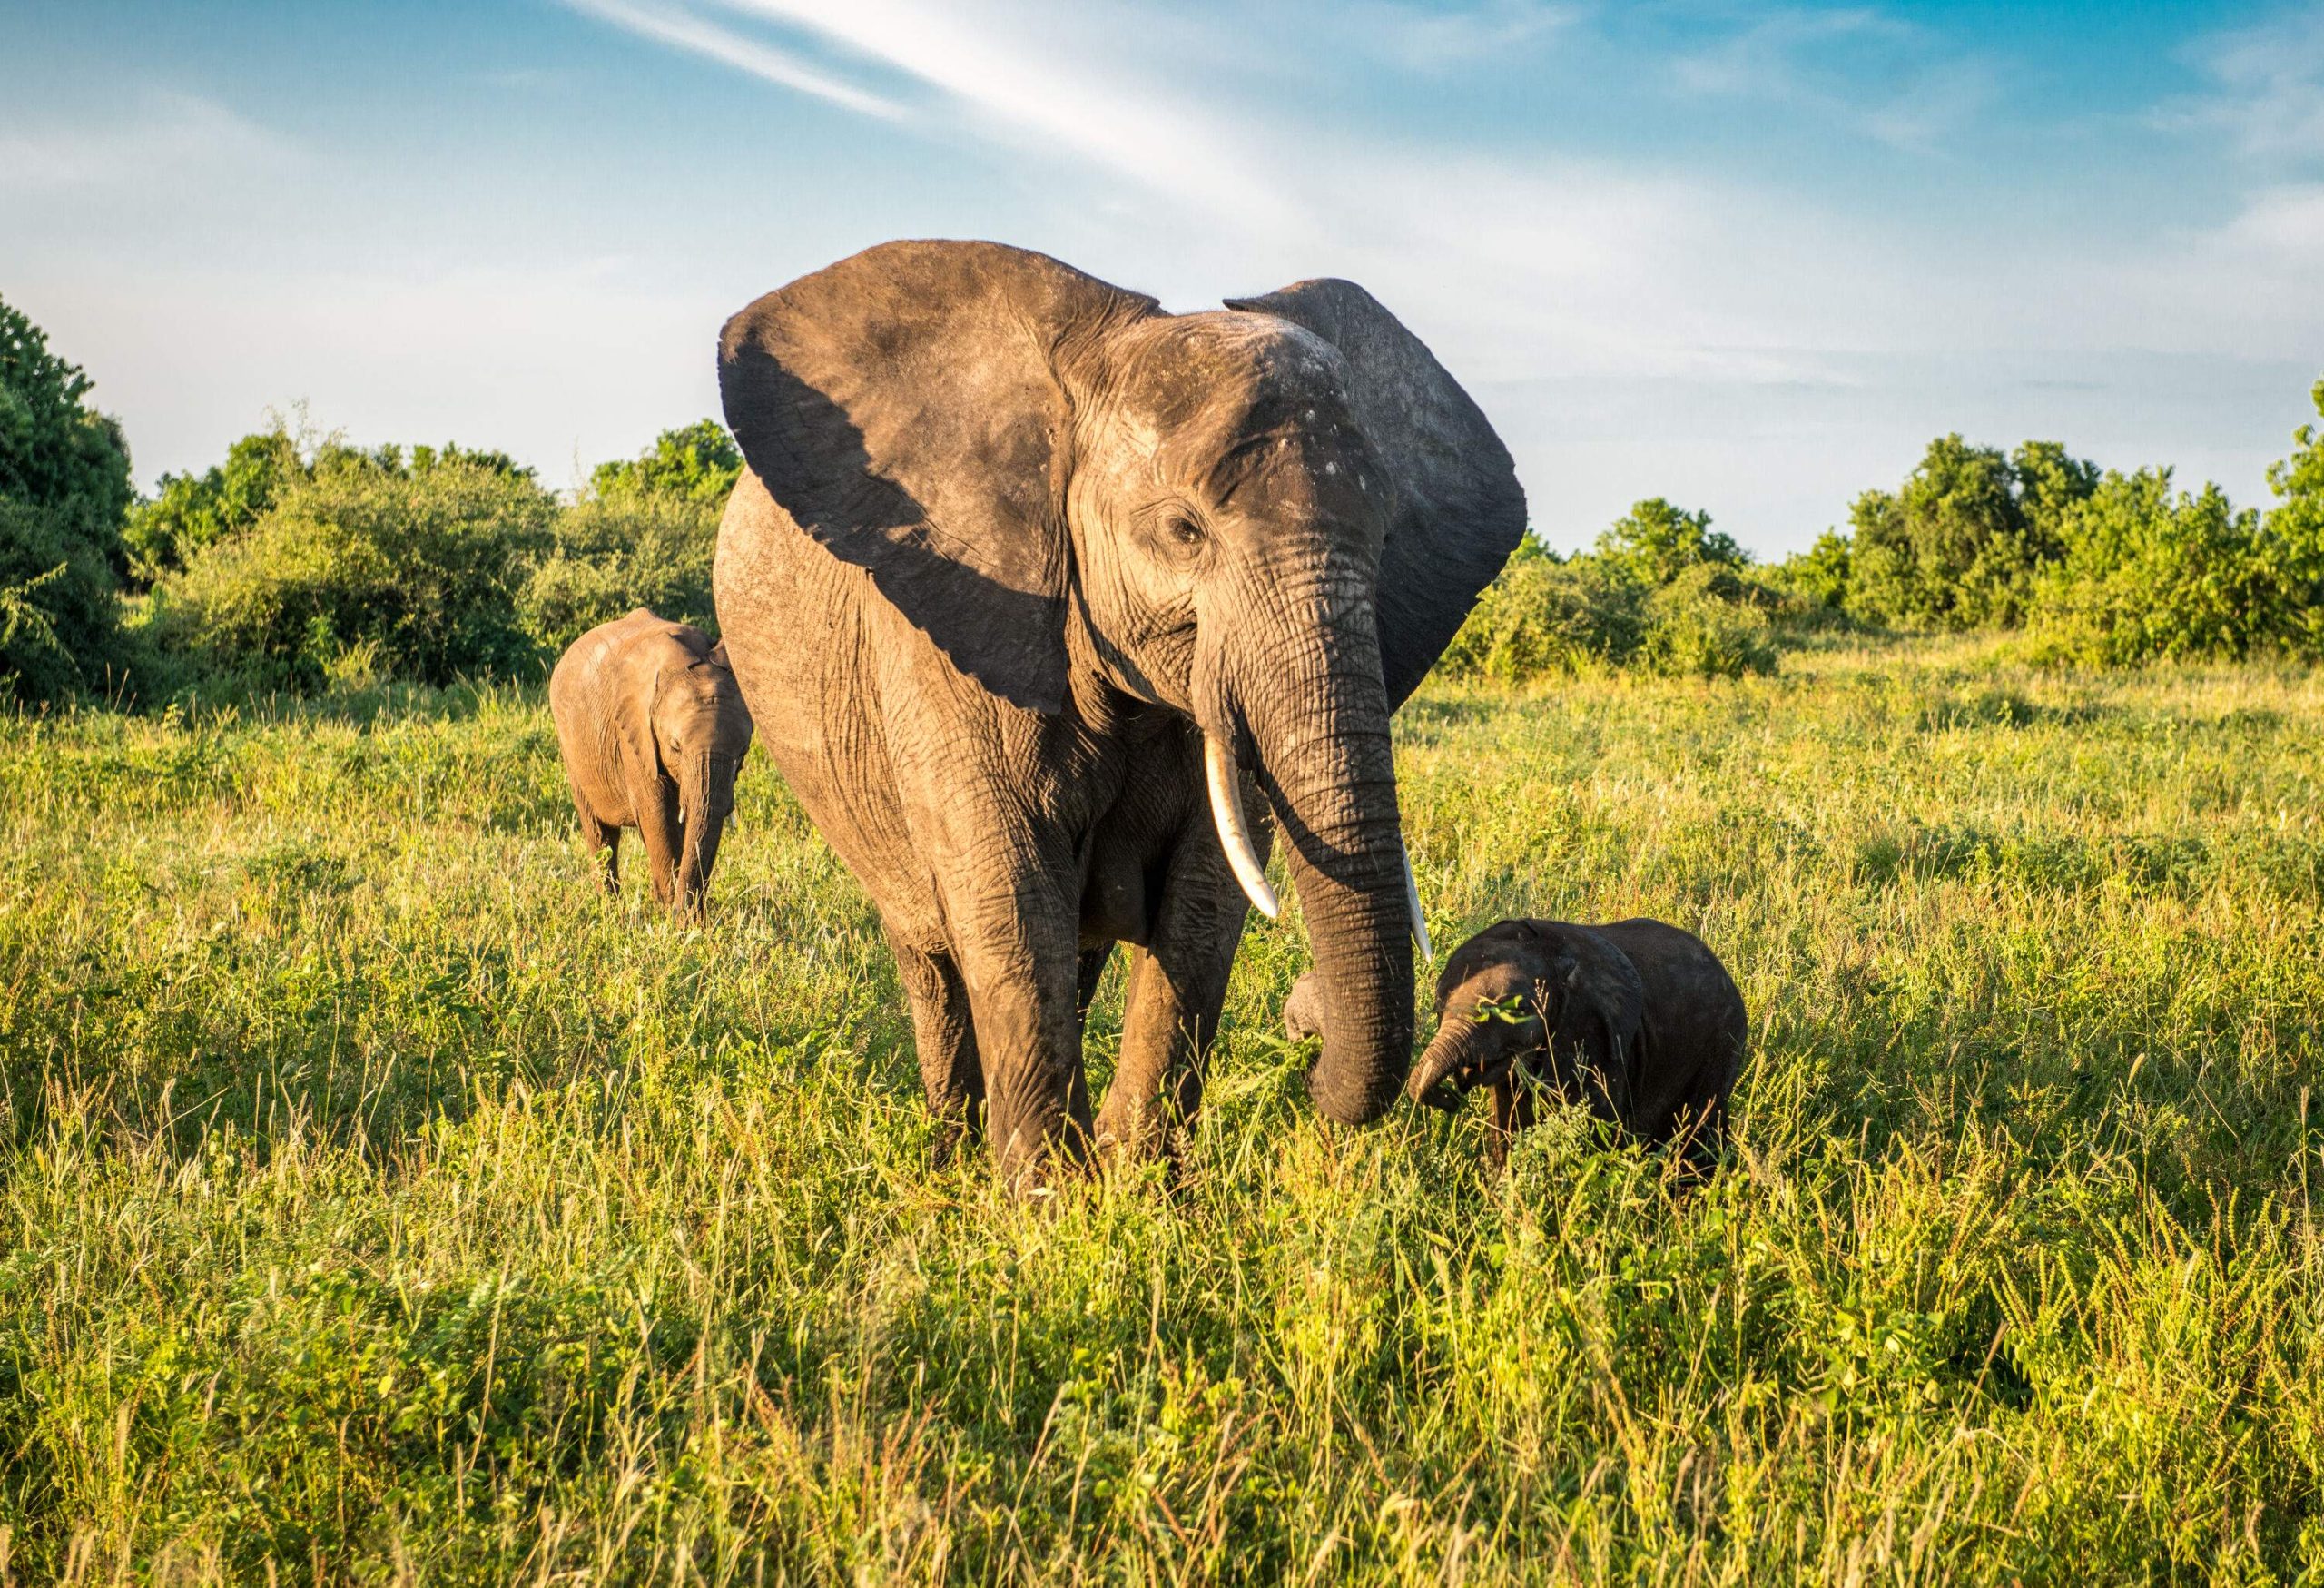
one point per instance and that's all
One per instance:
(1958, 545)
(190, 511)
(699, 463)
(1819, 576)
(1655, 542)
(63, 484)
(2291, 543)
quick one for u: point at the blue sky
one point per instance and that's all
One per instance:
(1747, 257)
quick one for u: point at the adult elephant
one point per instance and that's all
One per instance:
(1021, 568)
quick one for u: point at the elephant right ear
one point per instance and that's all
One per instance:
(903, 407)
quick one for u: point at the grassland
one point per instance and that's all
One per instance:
(377, 1205)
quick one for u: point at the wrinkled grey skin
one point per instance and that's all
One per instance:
(1012, 542)
(1638, 1020)
(653, 729)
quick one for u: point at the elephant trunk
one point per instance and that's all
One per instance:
(1456, 1052)
(1316, 715)
(706, 797)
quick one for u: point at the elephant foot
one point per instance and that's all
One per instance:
(1136, 1143)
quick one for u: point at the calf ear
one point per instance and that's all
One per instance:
(1600, 1016)
(1459, 510)
(903, 407)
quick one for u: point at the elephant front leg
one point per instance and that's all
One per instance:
(1178, 987)
(945, 1037)
(655, 801)
(1019, 963)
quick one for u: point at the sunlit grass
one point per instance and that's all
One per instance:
(377, 1203)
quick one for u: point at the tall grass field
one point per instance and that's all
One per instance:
(378, 1204)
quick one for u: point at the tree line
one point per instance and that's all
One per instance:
(301, 562)
(2083, 566)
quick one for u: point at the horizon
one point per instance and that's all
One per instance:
(1751, 259)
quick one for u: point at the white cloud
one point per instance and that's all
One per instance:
(1432, 39)
(1029, 78)
(2270, 98)
(681, 29)
(1886, 79)
(167, 138)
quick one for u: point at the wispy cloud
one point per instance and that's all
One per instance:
(1534, 271)
(1521, 263)
(1027, 78)
(168, 136)
(2269, 96)
(1883, 77)
(1435, 39)
(683, 29)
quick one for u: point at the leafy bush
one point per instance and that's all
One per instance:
(63, 483)
(418, 569)
(699, 463)
(1654, 543)
(190, 511)
(1663, 593)
(1708, 623)
(1546, 615)
(1958, 546)
(2151, 575)
(610, 553)
(1816, 579)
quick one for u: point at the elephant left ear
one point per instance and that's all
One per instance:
(1459, 510)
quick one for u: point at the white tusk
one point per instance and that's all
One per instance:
(1412, 897)
(1227, 812)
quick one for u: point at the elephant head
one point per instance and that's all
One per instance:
(1271, 517)
(701, 731)
(1538, 1003)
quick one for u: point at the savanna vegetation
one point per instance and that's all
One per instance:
(378, 1204)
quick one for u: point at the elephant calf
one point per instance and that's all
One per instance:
(1638, 1020)
(653, 729)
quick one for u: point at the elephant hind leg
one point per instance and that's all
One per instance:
(945, 1037)
(602, 840)
(1087, 973)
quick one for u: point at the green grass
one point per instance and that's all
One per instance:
(377, 1204)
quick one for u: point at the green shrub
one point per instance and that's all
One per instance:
(699, 463)
(1708, 623)
(1544, 614)
(1663, 593)
(1816, 578)
(417, 569)
(1959, 545)
(1654, 543)
(63, 483)
(190, 511)
(610, 553)
(2150, 575)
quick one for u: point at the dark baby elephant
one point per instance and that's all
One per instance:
(1043, 598)
(653, 729)
(1637, 1019)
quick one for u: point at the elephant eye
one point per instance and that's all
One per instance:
(1182, 529)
